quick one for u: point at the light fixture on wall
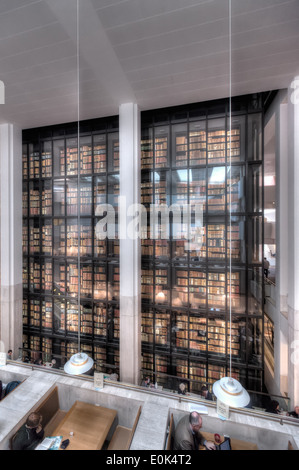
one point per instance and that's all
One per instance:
(228, 390)
(79, 363)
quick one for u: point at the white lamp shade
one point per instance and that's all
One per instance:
(78, 364)
(231, 392)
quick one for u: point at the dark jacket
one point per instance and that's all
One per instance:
(26, 439)
(184, 439)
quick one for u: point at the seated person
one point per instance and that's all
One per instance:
(182, 389)
(187, 434)
(205, 393)
(273, 407)
(30, 434)
(295, 413)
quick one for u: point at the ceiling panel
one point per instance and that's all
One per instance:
(154, 52)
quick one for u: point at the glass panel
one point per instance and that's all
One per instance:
(100, 319)
(86, 280)
(162, 294)
(236, 139)
(25, 161)
(46, 198)
(254, 338)
(197, 288)
(59, 315)
(46, 159)
(72, 279)
(255, 238)
(255, 188)
(25, 274)
(216, 189)
(34, 276)
(113, 286)
(113, 151)
(179, 145)
(59, 237)
(34, 316)
(34, 236)
(71, 197)
(46, 248)
(59, 278)
(162, 328)
(236, 243)
(99, 153)
(72, 237)
(86, 319)
(25, 238)
(216, 337)
(216, 141)
(180, 289)
(216, 241)
(100, 358)
(255, 279)
(197, 143)
(25, 312)
(86, 238)
(34, 198)
(25, 200)
(147, 146)
(59, 157)
(47, 276)
(147, 284)
(236, 189)
(197, 334)
(72, 156)
(47, 314)
(147, 325)
(100, 284)
(255, 137)
(86, 196)
(85, 155)
(34, 160)
(71, 320)
(236, 290)
(59, 197)
(161, 147)
(216, 291)
(198, 376)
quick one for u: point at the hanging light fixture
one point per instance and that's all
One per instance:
(79, 363)
(228, 390)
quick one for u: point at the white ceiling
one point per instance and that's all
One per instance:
(156, 53)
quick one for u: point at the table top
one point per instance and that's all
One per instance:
(236, 444)
(89, 423)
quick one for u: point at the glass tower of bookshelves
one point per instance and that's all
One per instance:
(186, 288)
(51, 199)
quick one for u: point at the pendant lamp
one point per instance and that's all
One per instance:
(79, 363)
(228, 390)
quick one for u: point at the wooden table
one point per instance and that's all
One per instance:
(236, 444)
(89, 423)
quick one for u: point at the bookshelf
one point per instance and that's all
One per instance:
(54, 195)
(194, 158)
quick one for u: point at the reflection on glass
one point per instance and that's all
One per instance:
(85, 155)
(47, 198)
(161, 146)
(180, 145)
(99, 153)
(59, 237)
(255, 279)
(59, 198)
(236, 189)
(255, 188)
(255, 137)
(255, 239)
(46, 161)
(59, 157)
(197, 143)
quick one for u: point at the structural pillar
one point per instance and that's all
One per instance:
(130, 245)
(11, 238)
(293, 242)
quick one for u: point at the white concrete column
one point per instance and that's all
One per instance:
(293, 242)
(130, 246)
(11, 238)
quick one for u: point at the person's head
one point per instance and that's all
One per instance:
(33, 420)
(296, 409)
(10, 352)
(204, 390)
(195, 421)
(274, 405)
